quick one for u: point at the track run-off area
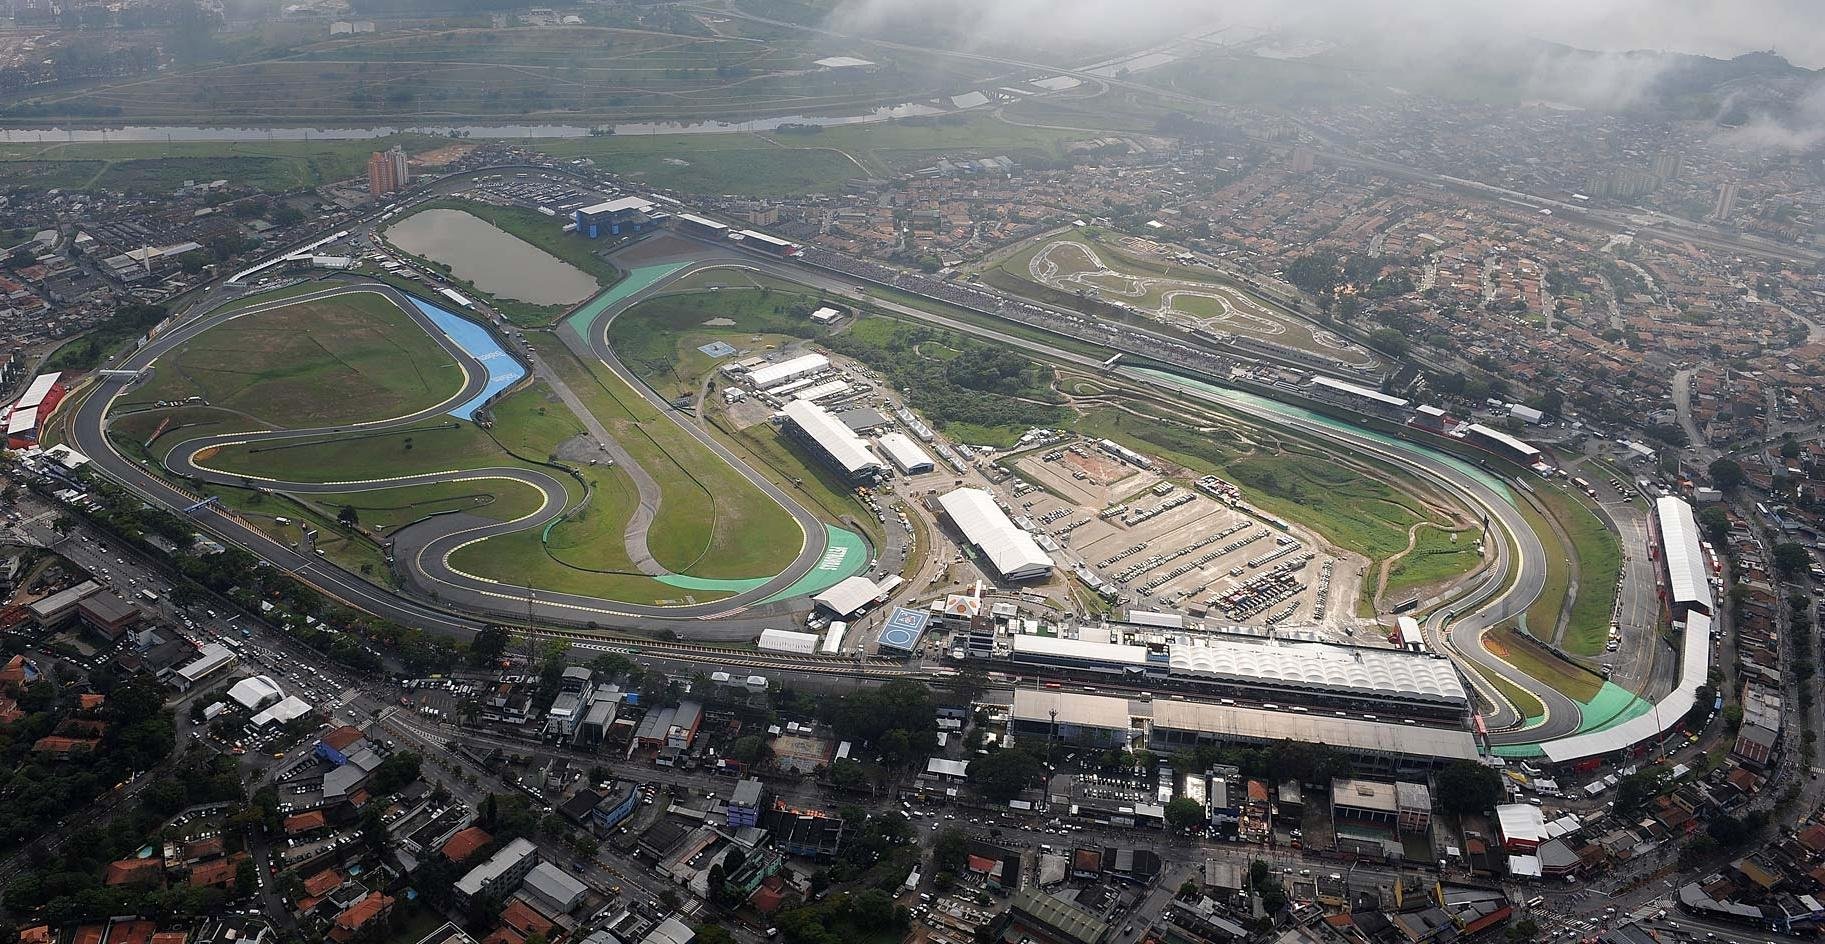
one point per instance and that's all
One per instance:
(435, 593)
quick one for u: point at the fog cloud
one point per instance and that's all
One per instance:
(1798, 128)
(1722, 28)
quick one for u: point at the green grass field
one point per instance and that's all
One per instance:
(268, 165)
(1599, 564)
(658, 338)
(1542, 616)
(381, 511)
(347, 359)
(1524, 701)
(1529, 656)
(711, 521)
(1435, 557)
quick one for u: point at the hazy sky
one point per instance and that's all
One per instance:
(1794, 28)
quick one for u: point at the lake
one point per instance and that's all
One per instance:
(492, 259)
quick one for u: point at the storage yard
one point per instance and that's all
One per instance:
(1172, 544)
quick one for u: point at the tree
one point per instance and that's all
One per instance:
(1791, 558)
(1636, 790)
(395, 772)
(1185, 813)
(950, 850)
(246, 880)
(1002, 775)
(489, 644)
(1466, 786)
(348, 517)
(749, 749)
(1725, 473)
(1715, 521)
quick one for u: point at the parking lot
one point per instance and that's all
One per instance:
(1171, 544)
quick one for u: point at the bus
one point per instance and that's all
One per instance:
(148, 596)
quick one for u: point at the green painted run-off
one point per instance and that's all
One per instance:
(638, 280)
(845, 555)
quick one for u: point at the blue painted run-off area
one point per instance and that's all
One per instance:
(503, 370)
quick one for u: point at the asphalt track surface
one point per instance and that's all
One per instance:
(422, 549)
(1508, 588)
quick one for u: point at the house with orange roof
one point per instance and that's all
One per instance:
(219, 873)
(465, 843)
(134, 872)
(524, 921)
(138, 931)
(89, 934)
(371, 909)
(301, 823)
(323, 883)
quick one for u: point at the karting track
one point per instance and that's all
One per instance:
(422, 549)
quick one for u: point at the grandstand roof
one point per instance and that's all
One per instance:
(844, 446)
(1073, 709)
(1384, 672)
(1357, 390)
(1694, 670)
(1505, 439)
(1013, 552)
(40, 388)
(1686, 575)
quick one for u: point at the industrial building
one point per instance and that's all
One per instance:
(831, 440)
(906, 454)
(619, 217)
(768, 376)
(1011, 551)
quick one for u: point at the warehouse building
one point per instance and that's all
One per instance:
(768, 376)
(618, 217)
(906, 454)
(1011, 551)
(833, 442)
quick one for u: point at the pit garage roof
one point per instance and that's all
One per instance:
(849, 596)
(841, 442)
(1343, 669)
(1686, 575)
(1349, 734)
(1076, 710)
(1079, 649)
(1013, 552)
(256, 692)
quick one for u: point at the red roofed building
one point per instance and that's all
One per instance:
(372, 907)
(465, 843)
(132, 932)
(769, 896)
(42, 934)
(322, 883)
(133, 872)
(63, 747)
(89, 934)
(171, 937)
(217, 874)
(524, 921)
(304, 823)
